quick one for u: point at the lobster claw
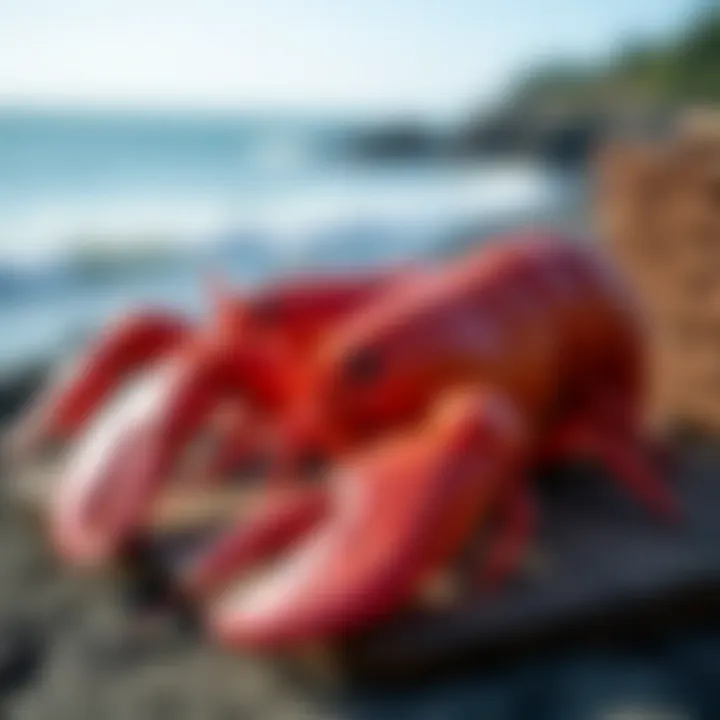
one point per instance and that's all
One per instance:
(99, 463)
(395, 516)
(285, 515)
(121, 465)
(118, 469)
(67, 404)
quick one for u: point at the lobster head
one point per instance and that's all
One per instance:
(386, 365)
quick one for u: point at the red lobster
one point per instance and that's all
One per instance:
(439, 398)
(431, 401)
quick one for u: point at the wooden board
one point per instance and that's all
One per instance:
(601, 570)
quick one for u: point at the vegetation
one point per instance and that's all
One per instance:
(561, 111)
(647, 76)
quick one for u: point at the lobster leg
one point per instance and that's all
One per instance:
(626, 462)
(396, 515)
(68, 403)
(587, 435)
(519, 518)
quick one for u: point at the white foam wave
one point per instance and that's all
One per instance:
(285, 219)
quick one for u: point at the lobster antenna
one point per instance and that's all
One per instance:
(219, 289)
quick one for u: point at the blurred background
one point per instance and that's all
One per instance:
(145, 143)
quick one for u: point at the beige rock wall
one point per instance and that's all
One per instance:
(657, 206)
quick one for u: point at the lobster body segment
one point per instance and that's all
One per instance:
(543, 321)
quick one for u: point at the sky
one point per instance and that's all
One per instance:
(386, 56)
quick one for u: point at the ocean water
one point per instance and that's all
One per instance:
(249, 195)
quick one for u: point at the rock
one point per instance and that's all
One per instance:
(21, 656)
(568, 141)
(401, 141)
(16, 388)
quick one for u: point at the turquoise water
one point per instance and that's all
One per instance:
(68, 175)
(53, 154)
(251, 195)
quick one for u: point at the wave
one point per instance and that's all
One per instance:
(287, 219)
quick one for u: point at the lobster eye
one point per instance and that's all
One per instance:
(363, 366)
(266, 313)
